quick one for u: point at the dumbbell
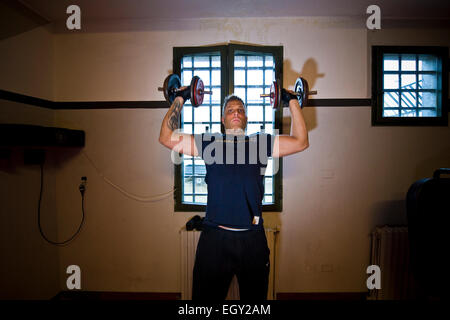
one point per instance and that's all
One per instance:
(301, 90)
(172, 84)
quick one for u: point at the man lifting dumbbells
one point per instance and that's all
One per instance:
(232, 241)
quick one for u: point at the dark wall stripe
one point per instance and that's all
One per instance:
(339, 103)
(16, 97)
(111, 105)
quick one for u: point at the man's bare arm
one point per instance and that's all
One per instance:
(170, 136)
(298, 140)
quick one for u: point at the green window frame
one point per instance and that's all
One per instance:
(227, 86)
(409, 86)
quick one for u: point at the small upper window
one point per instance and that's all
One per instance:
(408, 86)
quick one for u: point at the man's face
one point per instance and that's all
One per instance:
(234, 116)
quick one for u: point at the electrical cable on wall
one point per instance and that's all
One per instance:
(130, 195)
(82, 189)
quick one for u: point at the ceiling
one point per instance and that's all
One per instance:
(53, 10)
(17, 16)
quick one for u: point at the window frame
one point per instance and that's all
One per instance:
(227, 87)
(377, 86)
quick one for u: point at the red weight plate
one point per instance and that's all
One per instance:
(200, 89)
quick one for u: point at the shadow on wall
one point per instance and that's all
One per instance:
(310, 74)
(426, 168)
(392, 212)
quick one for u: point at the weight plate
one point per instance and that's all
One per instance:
(275, 95)
(197, 89)
(305, 92)
(300, 89)
(171, 83)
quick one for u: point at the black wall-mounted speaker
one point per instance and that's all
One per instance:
(39, 136)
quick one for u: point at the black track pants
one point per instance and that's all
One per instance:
(223, 253)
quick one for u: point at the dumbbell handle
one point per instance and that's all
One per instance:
(266, 95)
(176, 90)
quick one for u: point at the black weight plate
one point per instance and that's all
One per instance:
(305, 92)
(171, 83)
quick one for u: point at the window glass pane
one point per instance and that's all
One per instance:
(427, 62)
(390, 100)
(269, 169)
(268, 184)
(187, 114)
(409, 100)
(253, 128)
(204, 75)
(269, 113)
(215, 128)
(255, 77)
(239, 61)
(239, 77)
(408, 81)
(408, 62)
(186, 78)
(254, 61)
(216, 95)
(390, 81)
(187, 186)
(187, 62)
(253, 95)
(187, 168)
(407, 113)
(269, 61)
(390, 62)
(200, 199)
(428, 81)
(428, 113)
(390, 113)
(215, 61)
(201, 61)
(268, 199)
(201, 114)
(187, 199)
(200, 128)
(215, 77)
(428, 99)
(240, 92)
(255, 113)
(269, 77)
(216, 113)
(268, 127)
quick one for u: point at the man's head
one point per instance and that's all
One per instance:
(233, 113)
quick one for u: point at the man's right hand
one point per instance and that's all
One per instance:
(185, 93)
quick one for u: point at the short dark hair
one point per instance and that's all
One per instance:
(229, 98)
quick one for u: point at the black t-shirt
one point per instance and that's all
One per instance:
(235, 167)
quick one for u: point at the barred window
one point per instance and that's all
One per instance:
(249, 74)
(410, 87)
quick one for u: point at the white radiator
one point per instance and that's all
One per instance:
(189, 240)
(390, 251)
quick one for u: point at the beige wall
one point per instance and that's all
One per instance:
(352, 178)
(29, 266)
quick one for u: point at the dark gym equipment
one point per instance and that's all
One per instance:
(301, 90)
(428, 209)
(172, 85)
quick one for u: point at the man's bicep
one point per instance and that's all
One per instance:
(186, 145)
(285, 145)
